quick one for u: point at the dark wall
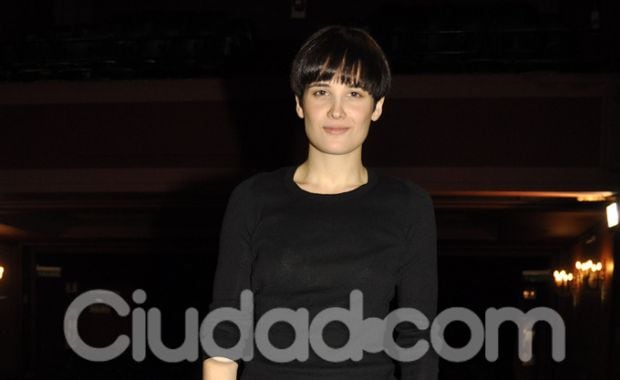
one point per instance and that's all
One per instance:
(263, 133)
(11, 311)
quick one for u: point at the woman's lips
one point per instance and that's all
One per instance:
(335, 130)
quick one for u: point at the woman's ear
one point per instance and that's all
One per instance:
(376, 114)
(298, 108)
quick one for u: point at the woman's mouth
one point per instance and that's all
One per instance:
(335, 130)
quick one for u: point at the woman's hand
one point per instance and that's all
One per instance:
(219, 368)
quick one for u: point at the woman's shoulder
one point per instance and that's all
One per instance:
(403, 187)
(264, 182)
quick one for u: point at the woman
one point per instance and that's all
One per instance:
(307, 236)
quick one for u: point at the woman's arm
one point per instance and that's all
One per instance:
(417, 285)
(219, 368)
(232, 276)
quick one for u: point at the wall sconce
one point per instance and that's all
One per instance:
(529, 294)
(590, 273)
(612, 215)
(562, 279)
(1, 272)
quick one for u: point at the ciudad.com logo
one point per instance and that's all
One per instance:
(365, 335)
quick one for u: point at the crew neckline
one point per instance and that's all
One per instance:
(361, 189)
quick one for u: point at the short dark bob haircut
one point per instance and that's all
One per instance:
(345, 54)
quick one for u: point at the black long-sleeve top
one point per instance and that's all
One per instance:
(295, 249)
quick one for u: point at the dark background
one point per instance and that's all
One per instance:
(124, 126)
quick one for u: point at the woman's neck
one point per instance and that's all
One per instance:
(330, 174)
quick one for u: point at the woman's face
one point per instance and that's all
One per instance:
(337, 116)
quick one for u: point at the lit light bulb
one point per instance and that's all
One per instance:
(599, 266)
(612, 214)
(561, 277)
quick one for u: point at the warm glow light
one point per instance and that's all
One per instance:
(589, 273)
(591, 198)
(612, 215)
(589, 266)
(596, 196)
(1, 272)
(529, 294)
(562, 278)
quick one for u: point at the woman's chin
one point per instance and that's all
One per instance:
(337, 151)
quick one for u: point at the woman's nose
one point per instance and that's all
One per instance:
(336, 110)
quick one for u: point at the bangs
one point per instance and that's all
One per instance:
(345, 55)
(342, 70)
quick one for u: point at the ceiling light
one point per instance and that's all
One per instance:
(612, 215)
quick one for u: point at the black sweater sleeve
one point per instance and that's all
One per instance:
(234, 264)
(417, 285)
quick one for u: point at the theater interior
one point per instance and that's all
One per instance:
(125, 125)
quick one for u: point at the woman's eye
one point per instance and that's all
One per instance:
(357, 94)
(320, 92)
